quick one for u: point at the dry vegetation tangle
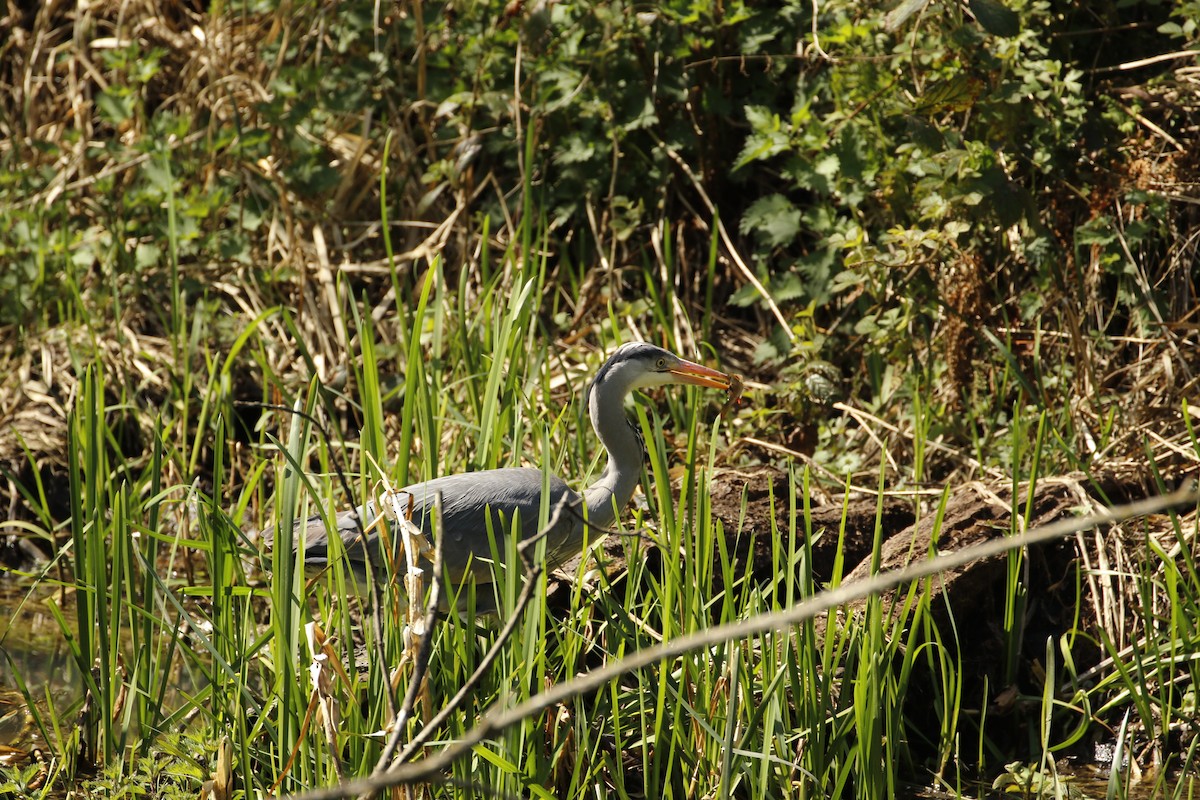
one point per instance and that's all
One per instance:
(211, 69)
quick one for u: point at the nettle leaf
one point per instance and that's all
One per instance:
(234, 246)
(249, 213)
(957, 93)
(575, 150)
(768, 137)
(788, 286)
(147, 255)
(866, 325)
(773, 219)
(745, 296)
(847, 280)
(817, 270)
(762, 119)
(159, 178)
(828, 166)
(995, 18)
(644, 117)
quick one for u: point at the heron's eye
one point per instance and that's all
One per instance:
(662, 363)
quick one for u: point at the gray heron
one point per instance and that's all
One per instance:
(468, 499)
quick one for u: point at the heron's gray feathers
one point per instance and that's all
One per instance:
(464, 499)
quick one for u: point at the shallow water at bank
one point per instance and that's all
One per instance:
(32, 643)
(38, 674)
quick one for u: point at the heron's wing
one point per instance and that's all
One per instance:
(469, 500)
(348, 526)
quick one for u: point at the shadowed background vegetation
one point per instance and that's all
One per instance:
(945, 242)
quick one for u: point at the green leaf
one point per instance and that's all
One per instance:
(995, 18)
(773, 218)
(768, 139)
(147, 255)
(957, 93)
(576, 149)
(901, 14)
(1098, 231)
(645, 116)
(828, 166)
(788, 286)
(745, 296)
(115, 105)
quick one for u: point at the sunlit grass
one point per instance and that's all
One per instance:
(213, 648)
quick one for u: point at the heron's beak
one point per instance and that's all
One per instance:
(700, 375)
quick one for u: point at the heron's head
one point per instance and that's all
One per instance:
(638, 365)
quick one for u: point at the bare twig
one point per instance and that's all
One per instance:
(816, 40)
(1145, 62)
(1156, 129)
(55, 190)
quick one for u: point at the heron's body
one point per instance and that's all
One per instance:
(463, 498)
(469, 498)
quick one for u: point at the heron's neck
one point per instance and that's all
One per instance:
(611, 492)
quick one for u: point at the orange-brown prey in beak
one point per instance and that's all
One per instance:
(700, 375)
